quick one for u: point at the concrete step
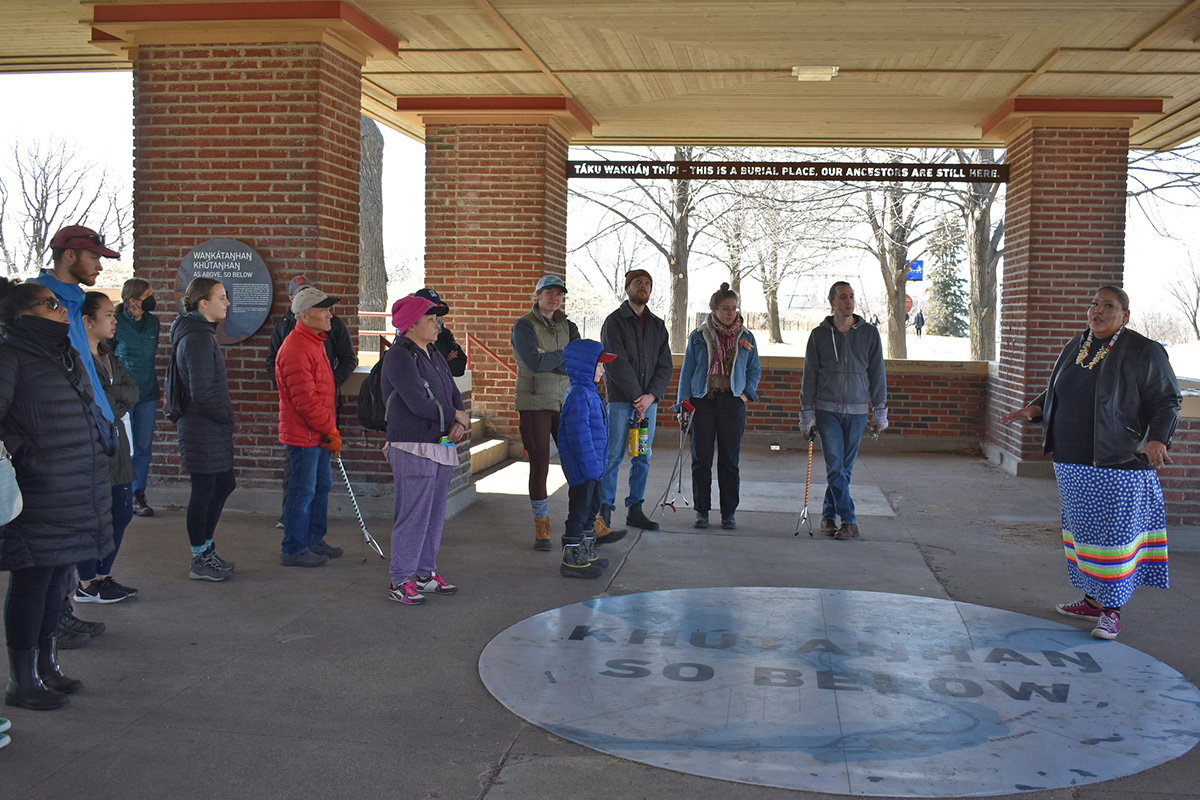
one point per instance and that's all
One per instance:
(487, 454)
(478, 429)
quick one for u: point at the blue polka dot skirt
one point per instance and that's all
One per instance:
(1114, 530)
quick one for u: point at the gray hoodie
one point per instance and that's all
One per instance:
(843, 372)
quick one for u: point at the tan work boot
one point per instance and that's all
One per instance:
(605, 534)
(829, 527)
(541, 533)
(848, 531)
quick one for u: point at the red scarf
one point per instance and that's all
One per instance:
(725, 338)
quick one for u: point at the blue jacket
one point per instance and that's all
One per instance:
(583, 421)
(135, 343)
(693, 376)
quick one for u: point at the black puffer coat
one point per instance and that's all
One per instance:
(206, 427)
(47, 425)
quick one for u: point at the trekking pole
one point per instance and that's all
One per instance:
(367, 539)
(807, 478)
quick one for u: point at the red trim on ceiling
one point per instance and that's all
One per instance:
(469, 103)
(1111, 106)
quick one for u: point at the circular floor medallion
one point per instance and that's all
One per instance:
(843, 692)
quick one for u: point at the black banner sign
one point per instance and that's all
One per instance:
(790, 171)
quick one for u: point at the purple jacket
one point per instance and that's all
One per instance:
(419, 391)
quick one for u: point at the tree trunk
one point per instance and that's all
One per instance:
(982, 260)
(680, 209)
(774, 334)
(372, 288)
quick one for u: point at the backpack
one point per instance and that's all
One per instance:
(174, 392)
(372, 410)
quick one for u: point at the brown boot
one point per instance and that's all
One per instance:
(848, 531)
(541, 533)
(605, 534)
(829, 527)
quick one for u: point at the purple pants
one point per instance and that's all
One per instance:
(421, 488)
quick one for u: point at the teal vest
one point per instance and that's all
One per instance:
(544, 391)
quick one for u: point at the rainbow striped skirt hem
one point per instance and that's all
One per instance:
(1114, 530)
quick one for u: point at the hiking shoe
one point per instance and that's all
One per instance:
(306, 559)
(327, 550)
(140, 507)
(207, 568)
(848, 531)
(829, 527)
(279, 523)
(406, 593)
(69, 623)
(701, 520)
(729, 523)
(1080, 609)
(4, 724)
(636, 518)
(1108, 625)
(227, 566)
(120, 587)
(72, 641)
(97, 592)
(434, 583)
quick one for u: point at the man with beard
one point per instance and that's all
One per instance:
(634, 381)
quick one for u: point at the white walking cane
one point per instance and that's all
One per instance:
(368, 540)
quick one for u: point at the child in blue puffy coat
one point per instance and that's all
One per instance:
(582, 444)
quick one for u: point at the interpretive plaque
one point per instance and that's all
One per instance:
(245, 277)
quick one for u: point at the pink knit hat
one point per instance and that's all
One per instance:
(409, 309)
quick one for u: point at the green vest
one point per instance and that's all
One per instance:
(544, 391)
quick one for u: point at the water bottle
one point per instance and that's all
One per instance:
(632, 439)
(644, 437)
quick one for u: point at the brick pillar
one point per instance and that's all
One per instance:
(1064, 237)
(496, 221)
(258, 143)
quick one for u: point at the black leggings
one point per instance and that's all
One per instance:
(537, 428)
(34, 603)
(209, 493)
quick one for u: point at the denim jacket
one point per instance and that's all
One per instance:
(693, 376)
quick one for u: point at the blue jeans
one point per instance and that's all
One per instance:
(141, 418)
(305, 515)
(619, 415)
(841, 434)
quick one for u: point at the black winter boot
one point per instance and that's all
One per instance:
(635, 518)
(25, 689)
(49, 670)
(589, 545)
(575, 563)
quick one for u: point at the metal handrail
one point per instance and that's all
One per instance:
(473, 341)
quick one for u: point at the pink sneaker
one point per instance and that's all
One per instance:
(406, 593)
(1080, 609)
(435, 583)
(1108, 626)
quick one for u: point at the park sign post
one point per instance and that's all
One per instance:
(865, 172)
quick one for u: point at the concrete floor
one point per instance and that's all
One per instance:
(285, 683)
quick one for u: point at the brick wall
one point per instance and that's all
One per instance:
(1064, 237)
(257, 143)
(495, 222)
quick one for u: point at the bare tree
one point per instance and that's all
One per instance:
(1185, 290)
(1171, 178)
(1160, 326)
(49, 186)
(974, 203)
(603, 258)
(662, 215)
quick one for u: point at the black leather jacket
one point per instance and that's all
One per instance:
(1137, 398)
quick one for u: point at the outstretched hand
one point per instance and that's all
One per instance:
(1027, 414)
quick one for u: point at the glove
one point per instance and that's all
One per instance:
(808, 423)
(880, 423)
(334, 442)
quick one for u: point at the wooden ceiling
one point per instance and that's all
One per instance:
(661, 72)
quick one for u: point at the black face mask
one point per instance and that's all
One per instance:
(48, 332)
(149, 304)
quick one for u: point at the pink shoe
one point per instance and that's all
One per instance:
(435, 583)
(1080, 609)
(406, 593)
(1108, 626)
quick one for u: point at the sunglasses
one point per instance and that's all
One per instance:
(95, 238)
(50, 303)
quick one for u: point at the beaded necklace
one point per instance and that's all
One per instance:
(1100, 354)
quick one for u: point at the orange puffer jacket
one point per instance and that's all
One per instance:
(306, 394)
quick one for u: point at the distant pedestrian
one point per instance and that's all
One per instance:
(136, 345)
(339, 347)
(919, 322)
(308, 429)
(206, 427)
(843, 382)
(719, 377)
(538, 341)
(635, 382)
